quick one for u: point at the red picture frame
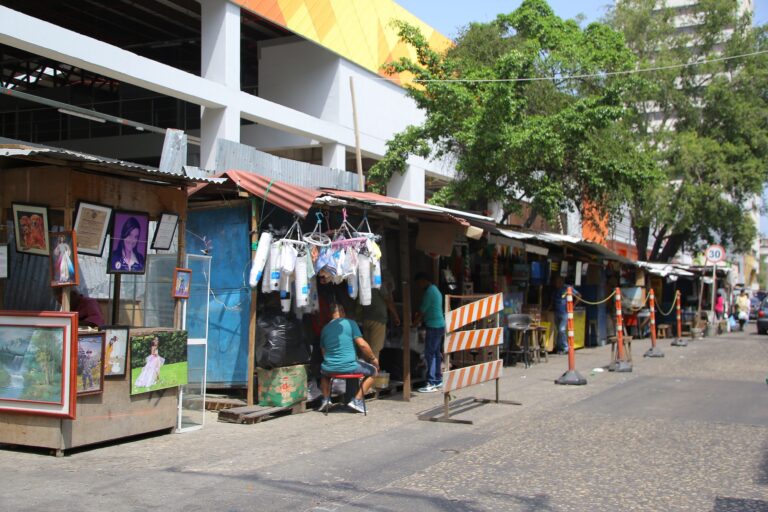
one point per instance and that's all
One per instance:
(23, 336)
(182, 279)
(63, 259)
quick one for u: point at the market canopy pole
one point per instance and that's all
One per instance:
(358, 152)
(252, 310)
(405, 275)
(654, 351)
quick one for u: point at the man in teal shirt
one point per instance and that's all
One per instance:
(431, 314)
(338, 340)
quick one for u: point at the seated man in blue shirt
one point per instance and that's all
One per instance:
(338, 341)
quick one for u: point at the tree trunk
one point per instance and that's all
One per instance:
(531, 217)
(674, 243)
(657, 244)
(641, 241)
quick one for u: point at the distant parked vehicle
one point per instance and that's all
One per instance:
(762, 317)
(754, 307)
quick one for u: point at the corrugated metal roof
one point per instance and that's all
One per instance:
(46, 154)
(395, 204)
(291, 198)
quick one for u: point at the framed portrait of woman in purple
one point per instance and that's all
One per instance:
(128, 243)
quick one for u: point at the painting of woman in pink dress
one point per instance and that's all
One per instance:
(150, 374)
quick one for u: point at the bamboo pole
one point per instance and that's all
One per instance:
(358, 152)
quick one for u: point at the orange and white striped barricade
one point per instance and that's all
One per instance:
(571, 376)
(473, 339)
(654, 351)
(620, 364)
(679, 341)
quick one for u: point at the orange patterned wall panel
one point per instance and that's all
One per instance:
(359, 31)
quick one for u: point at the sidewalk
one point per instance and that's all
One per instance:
(685, 432)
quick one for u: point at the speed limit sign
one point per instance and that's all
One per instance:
(715, 253)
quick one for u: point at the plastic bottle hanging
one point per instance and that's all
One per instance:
(274, 266)
(260, 259)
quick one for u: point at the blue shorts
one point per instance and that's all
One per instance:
(366, 369)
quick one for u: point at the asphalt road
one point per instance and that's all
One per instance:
(685, 432)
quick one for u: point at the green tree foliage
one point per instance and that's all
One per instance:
(554, 141)
(705, 124)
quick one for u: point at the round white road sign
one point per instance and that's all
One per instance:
(715, 253)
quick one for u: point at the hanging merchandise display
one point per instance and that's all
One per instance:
(364, 271)
(260, 258)
(274, 266)
(301, 284)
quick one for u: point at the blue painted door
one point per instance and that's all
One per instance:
(223, 233)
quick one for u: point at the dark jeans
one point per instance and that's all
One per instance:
(561, 322)
(433, 354)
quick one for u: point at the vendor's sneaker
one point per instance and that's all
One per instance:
(429, 388)
(356, 404)
(325, 405)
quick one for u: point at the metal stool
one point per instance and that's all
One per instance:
(520, 325)
(345, 376)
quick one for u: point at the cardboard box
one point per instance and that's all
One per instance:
(281, 387)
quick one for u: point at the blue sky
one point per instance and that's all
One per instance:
(448, 15)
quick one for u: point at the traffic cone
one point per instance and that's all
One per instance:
(570, 377)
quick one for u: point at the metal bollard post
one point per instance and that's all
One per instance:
(620, 365)
(654, 351)
(570, 377)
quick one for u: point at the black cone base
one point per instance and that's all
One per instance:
(679, 342)
(654, 352)
(620, 367)
(571, 378)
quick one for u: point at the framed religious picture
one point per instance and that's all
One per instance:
(38, 367)
(30, 225)
(128, 243)
(115, 350)
(91, 226)
(63, 258)
(4, 264)
(182, 278)
(90, 363)
(166, 228)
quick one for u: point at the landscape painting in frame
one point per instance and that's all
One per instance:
(158, 361)
(90, 363)
(37, 369)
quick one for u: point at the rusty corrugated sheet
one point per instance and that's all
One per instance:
(291, 198)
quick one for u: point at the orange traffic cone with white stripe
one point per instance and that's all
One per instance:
(654, 351)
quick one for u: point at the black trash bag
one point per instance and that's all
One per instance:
(280, 342)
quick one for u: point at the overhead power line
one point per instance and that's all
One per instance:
(588, 75)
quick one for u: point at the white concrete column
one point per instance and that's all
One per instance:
(220, 62)
(335, 156)
(409, 186)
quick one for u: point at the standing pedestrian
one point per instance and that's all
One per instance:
(742, 306)
(431, 314)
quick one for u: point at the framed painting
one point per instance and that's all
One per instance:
(158, 361)
(166, 228)
(4, 264)
(115, 350)
(182, 278)
(38, 362)
(91, 226)
(30, 226)
(128, 243)
(64, 271)
(90, 363)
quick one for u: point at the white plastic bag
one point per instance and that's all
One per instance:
(288, 257)
(301, 284)
(260, 259)
(352, 286)
(375, 273)
(364, 275)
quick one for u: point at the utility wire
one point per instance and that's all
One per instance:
(573, 77)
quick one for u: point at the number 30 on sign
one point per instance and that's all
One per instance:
(715, 253)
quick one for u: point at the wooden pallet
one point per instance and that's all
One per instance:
(218, 403)
(255, 413)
